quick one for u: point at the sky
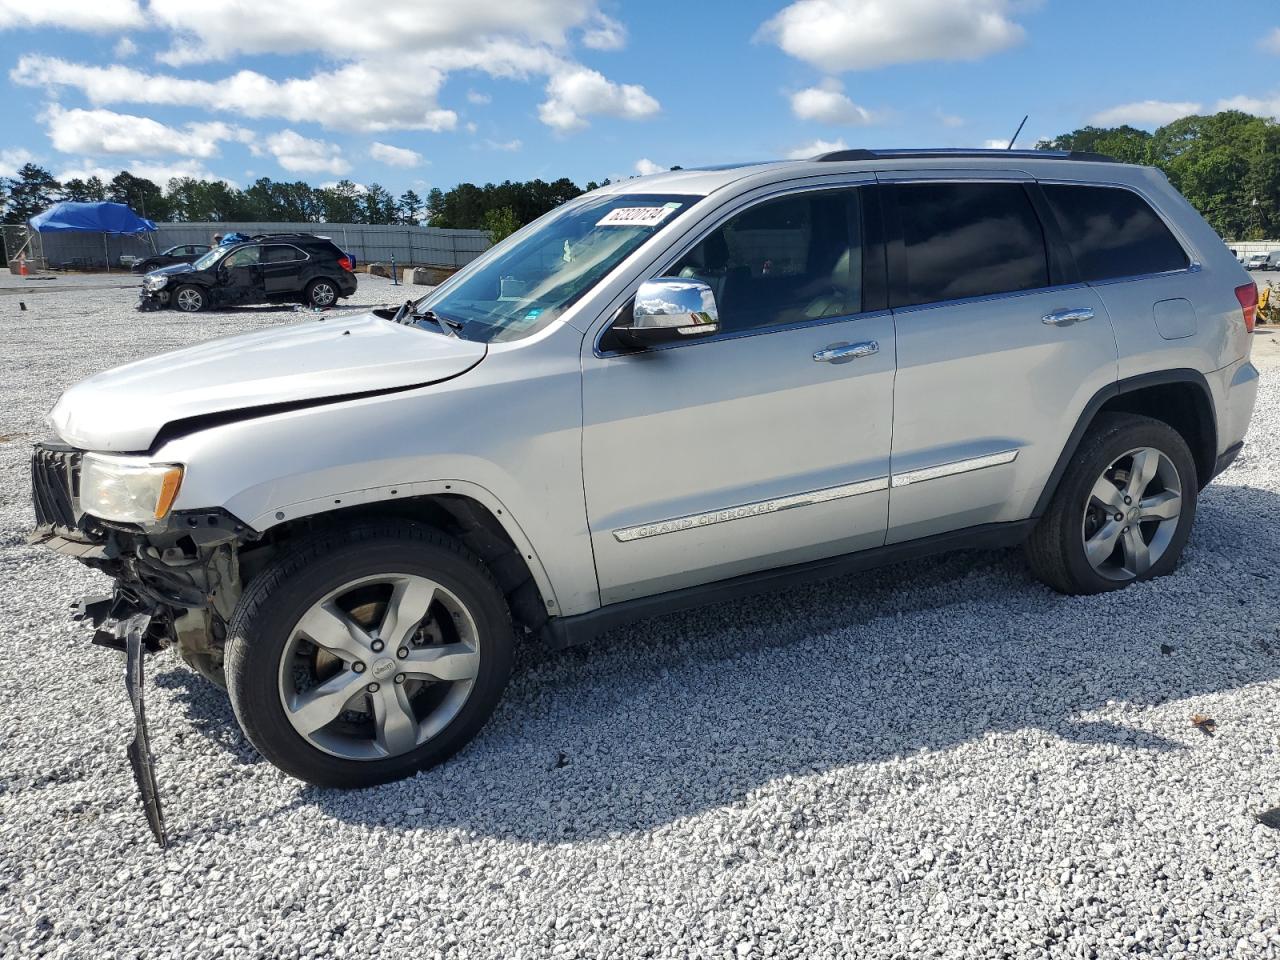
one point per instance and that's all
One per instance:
(414, 94)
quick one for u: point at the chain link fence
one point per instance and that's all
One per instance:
(369, 243)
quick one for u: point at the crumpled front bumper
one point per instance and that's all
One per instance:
(174, 585)
(153, 299)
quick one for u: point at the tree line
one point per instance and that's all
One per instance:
(499, 208)
(1227, 165)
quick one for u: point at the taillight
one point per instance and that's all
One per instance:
(1247, 294)
(345, 264)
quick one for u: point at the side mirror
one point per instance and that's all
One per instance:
(669, 309)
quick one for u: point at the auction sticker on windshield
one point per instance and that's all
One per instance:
(637, 216)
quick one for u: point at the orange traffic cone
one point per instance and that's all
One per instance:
(22, 265)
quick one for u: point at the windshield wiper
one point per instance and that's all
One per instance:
(447, 324)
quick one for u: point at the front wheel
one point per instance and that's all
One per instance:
(365, 655)
(1123, 510)
(189, 299)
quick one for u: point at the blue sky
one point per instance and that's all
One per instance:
(419, 93)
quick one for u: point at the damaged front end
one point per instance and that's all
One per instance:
(176, 584)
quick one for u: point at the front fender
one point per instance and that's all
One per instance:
(389, 493)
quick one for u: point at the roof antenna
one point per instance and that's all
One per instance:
(1016, 132)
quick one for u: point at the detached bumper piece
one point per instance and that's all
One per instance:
(139, 749)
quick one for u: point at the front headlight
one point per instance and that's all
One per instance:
(126, 489)
(156, 282)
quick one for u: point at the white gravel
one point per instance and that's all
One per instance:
(941, 759)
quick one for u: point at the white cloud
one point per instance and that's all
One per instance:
(218, 31)
(93, 15)
(604, 33)
(157, 172)
(395, 156)
(366, 96)
(103, 131)
(510, 146)
(645, 166)
(478, 98)
(1268, 106)
(837, 35)
(578, 92)
(1145, 113)
(12, 160)
(300, 154)
(124, 48)
(829, 104)
(1001, 143)
(817, 147)
(1271, 42)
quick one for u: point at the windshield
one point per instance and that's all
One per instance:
(210, 258)
(533, 280)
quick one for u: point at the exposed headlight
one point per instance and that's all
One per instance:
(155, 281)
(126, 489)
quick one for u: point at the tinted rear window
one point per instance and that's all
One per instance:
(969, 240)
(1113, 232)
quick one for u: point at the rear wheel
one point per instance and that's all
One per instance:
(189, 299)
(365, 655)
(1123, 510)
(322, 293)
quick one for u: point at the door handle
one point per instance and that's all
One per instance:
(1065, 318)
(844, 352)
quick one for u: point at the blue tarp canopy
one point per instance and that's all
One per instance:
(99, 217)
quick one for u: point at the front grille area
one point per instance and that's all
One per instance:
(54, 479)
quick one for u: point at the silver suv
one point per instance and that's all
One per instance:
(672, 390)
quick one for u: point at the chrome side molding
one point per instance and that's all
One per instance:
(756, 509)
(956, 466)
(825, 495)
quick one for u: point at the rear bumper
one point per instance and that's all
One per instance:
(1242, 394)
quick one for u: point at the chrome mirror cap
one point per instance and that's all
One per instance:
(671, 308)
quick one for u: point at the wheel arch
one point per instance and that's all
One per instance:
(463, 510)
(1181, 398)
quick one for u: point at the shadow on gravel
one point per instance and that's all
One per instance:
(672, 717)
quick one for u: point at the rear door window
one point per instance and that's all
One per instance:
(784, 261)
(281, 253)
(1113, 232)
(965, 239)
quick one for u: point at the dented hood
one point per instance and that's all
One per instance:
(332, 357)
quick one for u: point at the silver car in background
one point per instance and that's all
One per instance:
(672, 390)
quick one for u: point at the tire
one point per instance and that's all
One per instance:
(1057, 549)
(189, 299)
(347, 752)
(322, 292)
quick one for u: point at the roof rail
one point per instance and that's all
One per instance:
(961, 152)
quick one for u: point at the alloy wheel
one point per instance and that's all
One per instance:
(190, 300)
(322, 294)
(1132, 514)
(379, 666)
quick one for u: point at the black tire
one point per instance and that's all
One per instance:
(195, 298)
(288, 587)
(1056, 550)
(322, 292)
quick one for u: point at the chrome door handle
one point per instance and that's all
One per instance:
(844, 352)
(1065, 318)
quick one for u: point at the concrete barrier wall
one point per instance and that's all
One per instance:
(409, 245)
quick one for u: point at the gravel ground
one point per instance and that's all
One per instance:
(938, 759)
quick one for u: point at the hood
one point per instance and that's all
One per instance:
(333, 357)
(172, 269)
